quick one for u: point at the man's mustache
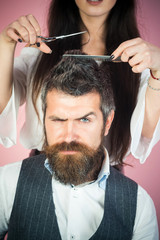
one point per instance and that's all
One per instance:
(64, 146)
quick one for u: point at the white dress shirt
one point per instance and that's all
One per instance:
(31, 134)
(76, 207)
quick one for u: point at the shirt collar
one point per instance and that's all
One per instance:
(102, 176)
(104, 172)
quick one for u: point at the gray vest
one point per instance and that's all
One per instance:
(33, 214)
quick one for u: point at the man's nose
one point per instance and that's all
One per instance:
(70, 132)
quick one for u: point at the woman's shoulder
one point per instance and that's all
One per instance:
(25, 62)
(30, 51)
(28, 55)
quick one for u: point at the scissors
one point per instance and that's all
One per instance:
(51, 39)
(107, 58)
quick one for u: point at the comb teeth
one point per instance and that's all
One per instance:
(95, 57)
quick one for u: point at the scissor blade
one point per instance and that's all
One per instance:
(70, 35)
(95, 57)
(50, 39)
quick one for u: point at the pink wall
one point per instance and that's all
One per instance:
(147, 175)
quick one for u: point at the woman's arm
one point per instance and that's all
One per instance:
(7, 49)
(152, 106)
(142, 55)
(24, 29)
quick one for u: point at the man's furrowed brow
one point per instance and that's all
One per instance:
(87, 115)
(53, 117)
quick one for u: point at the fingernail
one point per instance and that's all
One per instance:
(112, 56)
(38, 44)
(20, 40)
(50, 52)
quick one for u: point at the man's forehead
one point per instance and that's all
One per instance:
(60, 102)
(60, 96)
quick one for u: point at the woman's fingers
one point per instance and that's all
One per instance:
(139, 54)
(41, 46)
(124, 46)
(44, 48)
(35, 28)
(17, 31)
(26, 28)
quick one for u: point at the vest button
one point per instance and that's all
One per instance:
(73, 237)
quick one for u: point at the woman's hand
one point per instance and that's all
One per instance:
(24, 29)
(140, 55)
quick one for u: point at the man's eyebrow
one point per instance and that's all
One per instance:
(52, 117)
(86, 115)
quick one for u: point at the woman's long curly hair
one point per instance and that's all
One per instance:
(64, 18)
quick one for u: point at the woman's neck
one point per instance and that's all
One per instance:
(94, 42)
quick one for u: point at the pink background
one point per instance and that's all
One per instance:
(147, 175)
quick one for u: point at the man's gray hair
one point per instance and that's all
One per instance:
(77, 77)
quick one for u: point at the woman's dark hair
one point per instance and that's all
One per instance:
(121, 25)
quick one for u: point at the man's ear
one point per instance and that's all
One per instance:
(108, 122)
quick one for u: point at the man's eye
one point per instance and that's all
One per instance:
(84, 120)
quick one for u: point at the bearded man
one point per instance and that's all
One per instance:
(70, 191)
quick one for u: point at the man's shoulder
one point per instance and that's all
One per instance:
(121, 179)
(9, 175)
(33, 168)
(37, 159)
(33, 165)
